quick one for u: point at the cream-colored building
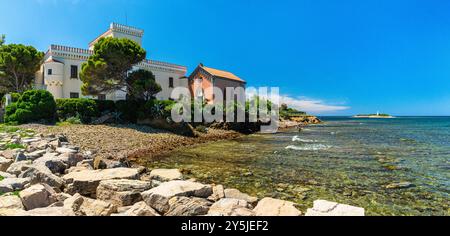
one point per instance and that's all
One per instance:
(59, 74)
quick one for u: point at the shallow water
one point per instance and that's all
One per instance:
(345, 160)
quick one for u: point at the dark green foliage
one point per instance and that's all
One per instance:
(287, 112)
(18, 65)
(32, 106)
(129, 109)
(105, 106)
(157, 109)
(107, 69)
(85, 109)
(142, 85)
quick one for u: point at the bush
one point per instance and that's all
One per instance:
(105, 106)
(32, 105)
(83, 108)
(129, 109)
(157, 109)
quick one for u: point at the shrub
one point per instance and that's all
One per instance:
(83, 108)
(32, 105)
(157, 109)
(105, 106)
(129, 109)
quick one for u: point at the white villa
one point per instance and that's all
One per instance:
(59, 74)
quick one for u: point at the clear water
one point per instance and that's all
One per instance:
(345, 160)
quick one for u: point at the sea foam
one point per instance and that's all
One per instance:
(296, 138)
(309, 147)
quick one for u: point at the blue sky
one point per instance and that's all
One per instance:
(328, 57)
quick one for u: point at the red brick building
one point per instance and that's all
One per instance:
(205, 78)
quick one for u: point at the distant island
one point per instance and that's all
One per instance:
(377, 115)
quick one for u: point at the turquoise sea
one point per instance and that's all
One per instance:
(348, 160)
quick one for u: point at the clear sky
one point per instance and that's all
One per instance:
(328, 57)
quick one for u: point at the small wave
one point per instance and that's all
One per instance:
(310, 147)
(296, 138)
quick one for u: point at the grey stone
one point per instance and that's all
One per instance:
(158, 198)
(37, 196)
(166, 174)
(236, 194)
(86, 182)
(122, 192)
(10, 202)
(230, 207)
(5, 163)
(275, 207)
(140, 209)
(184, 206)
(327, 208)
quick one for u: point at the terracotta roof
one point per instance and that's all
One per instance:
(53, 60)
(222, 73)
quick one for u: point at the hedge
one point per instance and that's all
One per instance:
(105, 106)
(85, 109)
(31, 106)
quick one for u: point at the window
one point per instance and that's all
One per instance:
(170, 82)
(49, 72)
(74, 95)
(74, 72)
(101, 97)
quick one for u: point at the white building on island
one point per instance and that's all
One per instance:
(59, 73)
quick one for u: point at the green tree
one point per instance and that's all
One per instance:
(18, 65)
(2, 39)
(108, 68)
(143, 85)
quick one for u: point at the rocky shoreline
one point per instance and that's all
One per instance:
(48, 176)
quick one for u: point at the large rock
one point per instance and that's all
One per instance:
(37, 196)
(86, 182)
(42, 174)
(236, 194)
(71, 159)
(274, 207)
(35, 155)
(11, 212)
(184, 206)
(327, 208)
(166, 174)
(47, 211)
(10, 153)
(7, 175)
(13, 184)
(230, 207)
(139, 209)
(158, 198)
(122, 192)
(5, 163)
(10, 202)
(218, 193)
(93, 207)
(17, 167)
(83, 206)
(52, 162)
(65, 150)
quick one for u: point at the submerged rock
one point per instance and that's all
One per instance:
(166, 174)
(327, 208)
(236, 194)
(399, 185)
